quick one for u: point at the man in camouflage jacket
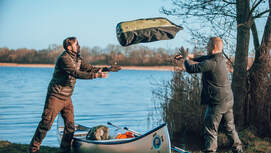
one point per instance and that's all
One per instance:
(216, 94)
(69, 67)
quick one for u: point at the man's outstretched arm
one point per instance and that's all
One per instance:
(203, 66)
(87, 67)
(67, 65)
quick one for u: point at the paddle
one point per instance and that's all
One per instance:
(109, 123)
(125, 128)
(138, 134)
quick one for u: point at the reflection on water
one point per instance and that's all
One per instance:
(124, 98)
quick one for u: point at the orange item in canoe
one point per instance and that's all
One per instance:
(125, 135)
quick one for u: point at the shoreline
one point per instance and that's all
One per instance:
(251, 144)
(155, 68)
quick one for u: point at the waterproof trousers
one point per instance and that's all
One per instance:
(213, 116)
(52, 107)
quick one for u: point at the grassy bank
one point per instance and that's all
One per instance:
(251, 143)
(7, 147)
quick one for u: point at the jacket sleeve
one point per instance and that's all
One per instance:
(200, 59)
(66, 64)
(87, 67)
(203, 66)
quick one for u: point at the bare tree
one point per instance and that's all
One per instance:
(233, 20)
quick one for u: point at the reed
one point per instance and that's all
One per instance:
(179, 101)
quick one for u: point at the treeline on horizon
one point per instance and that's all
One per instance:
(126, 56)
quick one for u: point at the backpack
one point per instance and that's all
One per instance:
(100, 132)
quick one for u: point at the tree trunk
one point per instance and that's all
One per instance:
(239, 80)
(259, 80)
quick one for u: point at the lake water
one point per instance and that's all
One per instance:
(124, 98)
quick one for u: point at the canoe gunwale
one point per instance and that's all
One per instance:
(122, 141)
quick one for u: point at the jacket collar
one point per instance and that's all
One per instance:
(216, 55)
(73, 54)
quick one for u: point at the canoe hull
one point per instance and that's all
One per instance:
(154, 142)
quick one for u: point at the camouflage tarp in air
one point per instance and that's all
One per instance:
(146, 30)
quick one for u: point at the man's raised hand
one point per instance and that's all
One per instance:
(183, 54)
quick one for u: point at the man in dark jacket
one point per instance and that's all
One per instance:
(216, 94)
(69, 67)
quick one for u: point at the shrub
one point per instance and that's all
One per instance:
(179, 101)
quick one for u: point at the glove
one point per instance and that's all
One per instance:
(105, 69)
(113, 68)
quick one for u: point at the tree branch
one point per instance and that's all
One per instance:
(195, 14)
(228, 2)
(254, 7)
(255, 39)
(260, 14)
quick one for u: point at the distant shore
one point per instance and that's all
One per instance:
(157, 68)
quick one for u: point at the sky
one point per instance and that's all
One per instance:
(36, 24)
